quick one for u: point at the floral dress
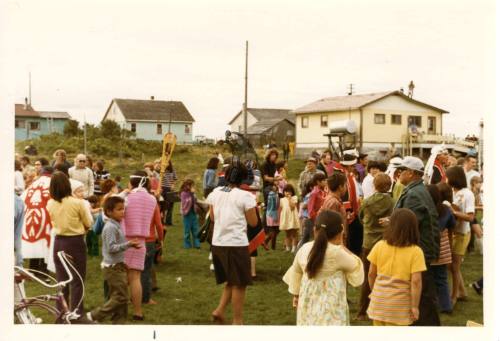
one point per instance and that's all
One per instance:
(323, 299)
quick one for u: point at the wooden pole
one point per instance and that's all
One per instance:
(245, 119)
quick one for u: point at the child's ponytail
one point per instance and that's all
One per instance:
(328, 225)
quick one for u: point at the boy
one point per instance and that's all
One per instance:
(379, 205)
(114, 245)
(317, 196)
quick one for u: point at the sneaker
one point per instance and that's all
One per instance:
(210, 256)
(212, 267)
(89, 316)
(477, 288)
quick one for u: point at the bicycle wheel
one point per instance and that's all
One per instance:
(32, 313)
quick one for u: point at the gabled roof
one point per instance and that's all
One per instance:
(265, 125)
(20, 111)
(152, 110)
(341, 103)
(264, 114)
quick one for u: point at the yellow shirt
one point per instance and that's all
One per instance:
(397, 262)
(69, 217)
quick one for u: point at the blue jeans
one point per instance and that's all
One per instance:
(146, 274)
(191, 228)
(307, 232)
(440, 275)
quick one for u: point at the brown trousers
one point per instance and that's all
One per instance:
(364, 300)
(116, 306)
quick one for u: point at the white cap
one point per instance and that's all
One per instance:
(395, 161)
(413, 163)
(352, 152)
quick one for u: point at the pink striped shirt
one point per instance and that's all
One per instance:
(138, 213)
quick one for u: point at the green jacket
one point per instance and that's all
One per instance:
(378, 205)
(416, 198)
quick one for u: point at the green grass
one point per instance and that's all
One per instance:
(267, 301)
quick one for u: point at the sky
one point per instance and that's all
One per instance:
(82, 54)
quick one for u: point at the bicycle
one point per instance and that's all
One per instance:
(63, 315)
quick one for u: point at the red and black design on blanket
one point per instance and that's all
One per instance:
(256, 235)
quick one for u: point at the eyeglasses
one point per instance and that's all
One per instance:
(82, 161)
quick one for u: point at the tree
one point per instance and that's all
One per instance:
(110, 129)
(71, 128)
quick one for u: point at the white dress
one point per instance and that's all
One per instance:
(289, 219)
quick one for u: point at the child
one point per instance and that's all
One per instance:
(190, 219)
(114, 245)
(306, 224)
(395, 275)
(272, 218)
(95, 206)
(337, 185)
(289, 218)
(317, 196)
(91, 238)
(327, 264)
(281, 172)
(378, 205)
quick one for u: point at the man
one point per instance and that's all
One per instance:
(416, 198)
(361, 166)
(440, 162)
(351, 203)
(367, 186)
(470, 165)
(308, 173)
(83, 174)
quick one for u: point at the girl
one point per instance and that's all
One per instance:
(395, 275)
(442, 196)
(281, 168)
(190, 219)
(91, 238)
(168, 185)
(210, 176)
(463, 209)
(306, 224)
(321, 296)
(272, 218)
(289, 218)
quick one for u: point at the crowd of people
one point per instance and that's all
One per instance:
(395, 228)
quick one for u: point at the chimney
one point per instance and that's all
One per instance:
(25, 103)
(152, 98)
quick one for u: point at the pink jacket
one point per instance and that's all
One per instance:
(138, 213)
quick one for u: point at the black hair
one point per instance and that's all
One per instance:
(437, 198)
(236, 173)
(456, 177)
(336, 180)
(60, 187)
(308, 188)
(111, 202)
(93, 199)
(62, 167)
(372, 164)
(318, 177)
(289, 188)
(328, 225)
(141, 176)
(213, 163)
(43, 161)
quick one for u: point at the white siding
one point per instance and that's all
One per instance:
(238, 122)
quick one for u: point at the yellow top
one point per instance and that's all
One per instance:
(69, 217)
(397, 262)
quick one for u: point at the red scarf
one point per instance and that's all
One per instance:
(440, 168)
(352, 203)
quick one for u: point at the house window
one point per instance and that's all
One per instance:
(379, 118)
(158, 128)
(187, 129)
(132, 127)
(431, 122)
(395, 119)
(324, 120)
(34, 125)
(415, 120)
(305, 121)
(20, 124)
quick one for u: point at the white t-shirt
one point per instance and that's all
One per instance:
(230, 226)
(18, 182)
(470, 174)
(464, 199)
(368, 187)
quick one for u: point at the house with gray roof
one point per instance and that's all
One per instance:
(266, 125)
(152, 119)
(31, 123)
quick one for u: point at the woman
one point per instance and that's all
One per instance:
(231, 209)
(317, 278)
(326, 163)
(210, 176)
(60, 157)
(71, 221)
(167, 185)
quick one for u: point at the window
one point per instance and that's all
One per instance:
(415, 120)
(324, 120)
(187, 129)
(395, 119)
(158, 128)
(34, 125)
(379, 118)
(20, 124)
(132, 127)
(431, 123)
(305, 121)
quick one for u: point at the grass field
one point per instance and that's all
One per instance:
(191, 301)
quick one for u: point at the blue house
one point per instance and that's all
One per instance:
(31, 123)
(151, 119)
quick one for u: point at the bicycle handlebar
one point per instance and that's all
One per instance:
(63, 259)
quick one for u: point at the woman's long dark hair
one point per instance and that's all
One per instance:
(60, 186)
(328, 225)
(438, 200)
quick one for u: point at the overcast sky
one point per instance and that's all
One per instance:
(83, 54)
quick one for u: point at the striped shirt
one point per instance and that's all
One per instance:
(169, 179)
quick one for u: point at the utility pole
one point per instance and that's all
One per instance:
(480, 146)
(245, 122)
(351, 89)
(29, 92)
(84, 135)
